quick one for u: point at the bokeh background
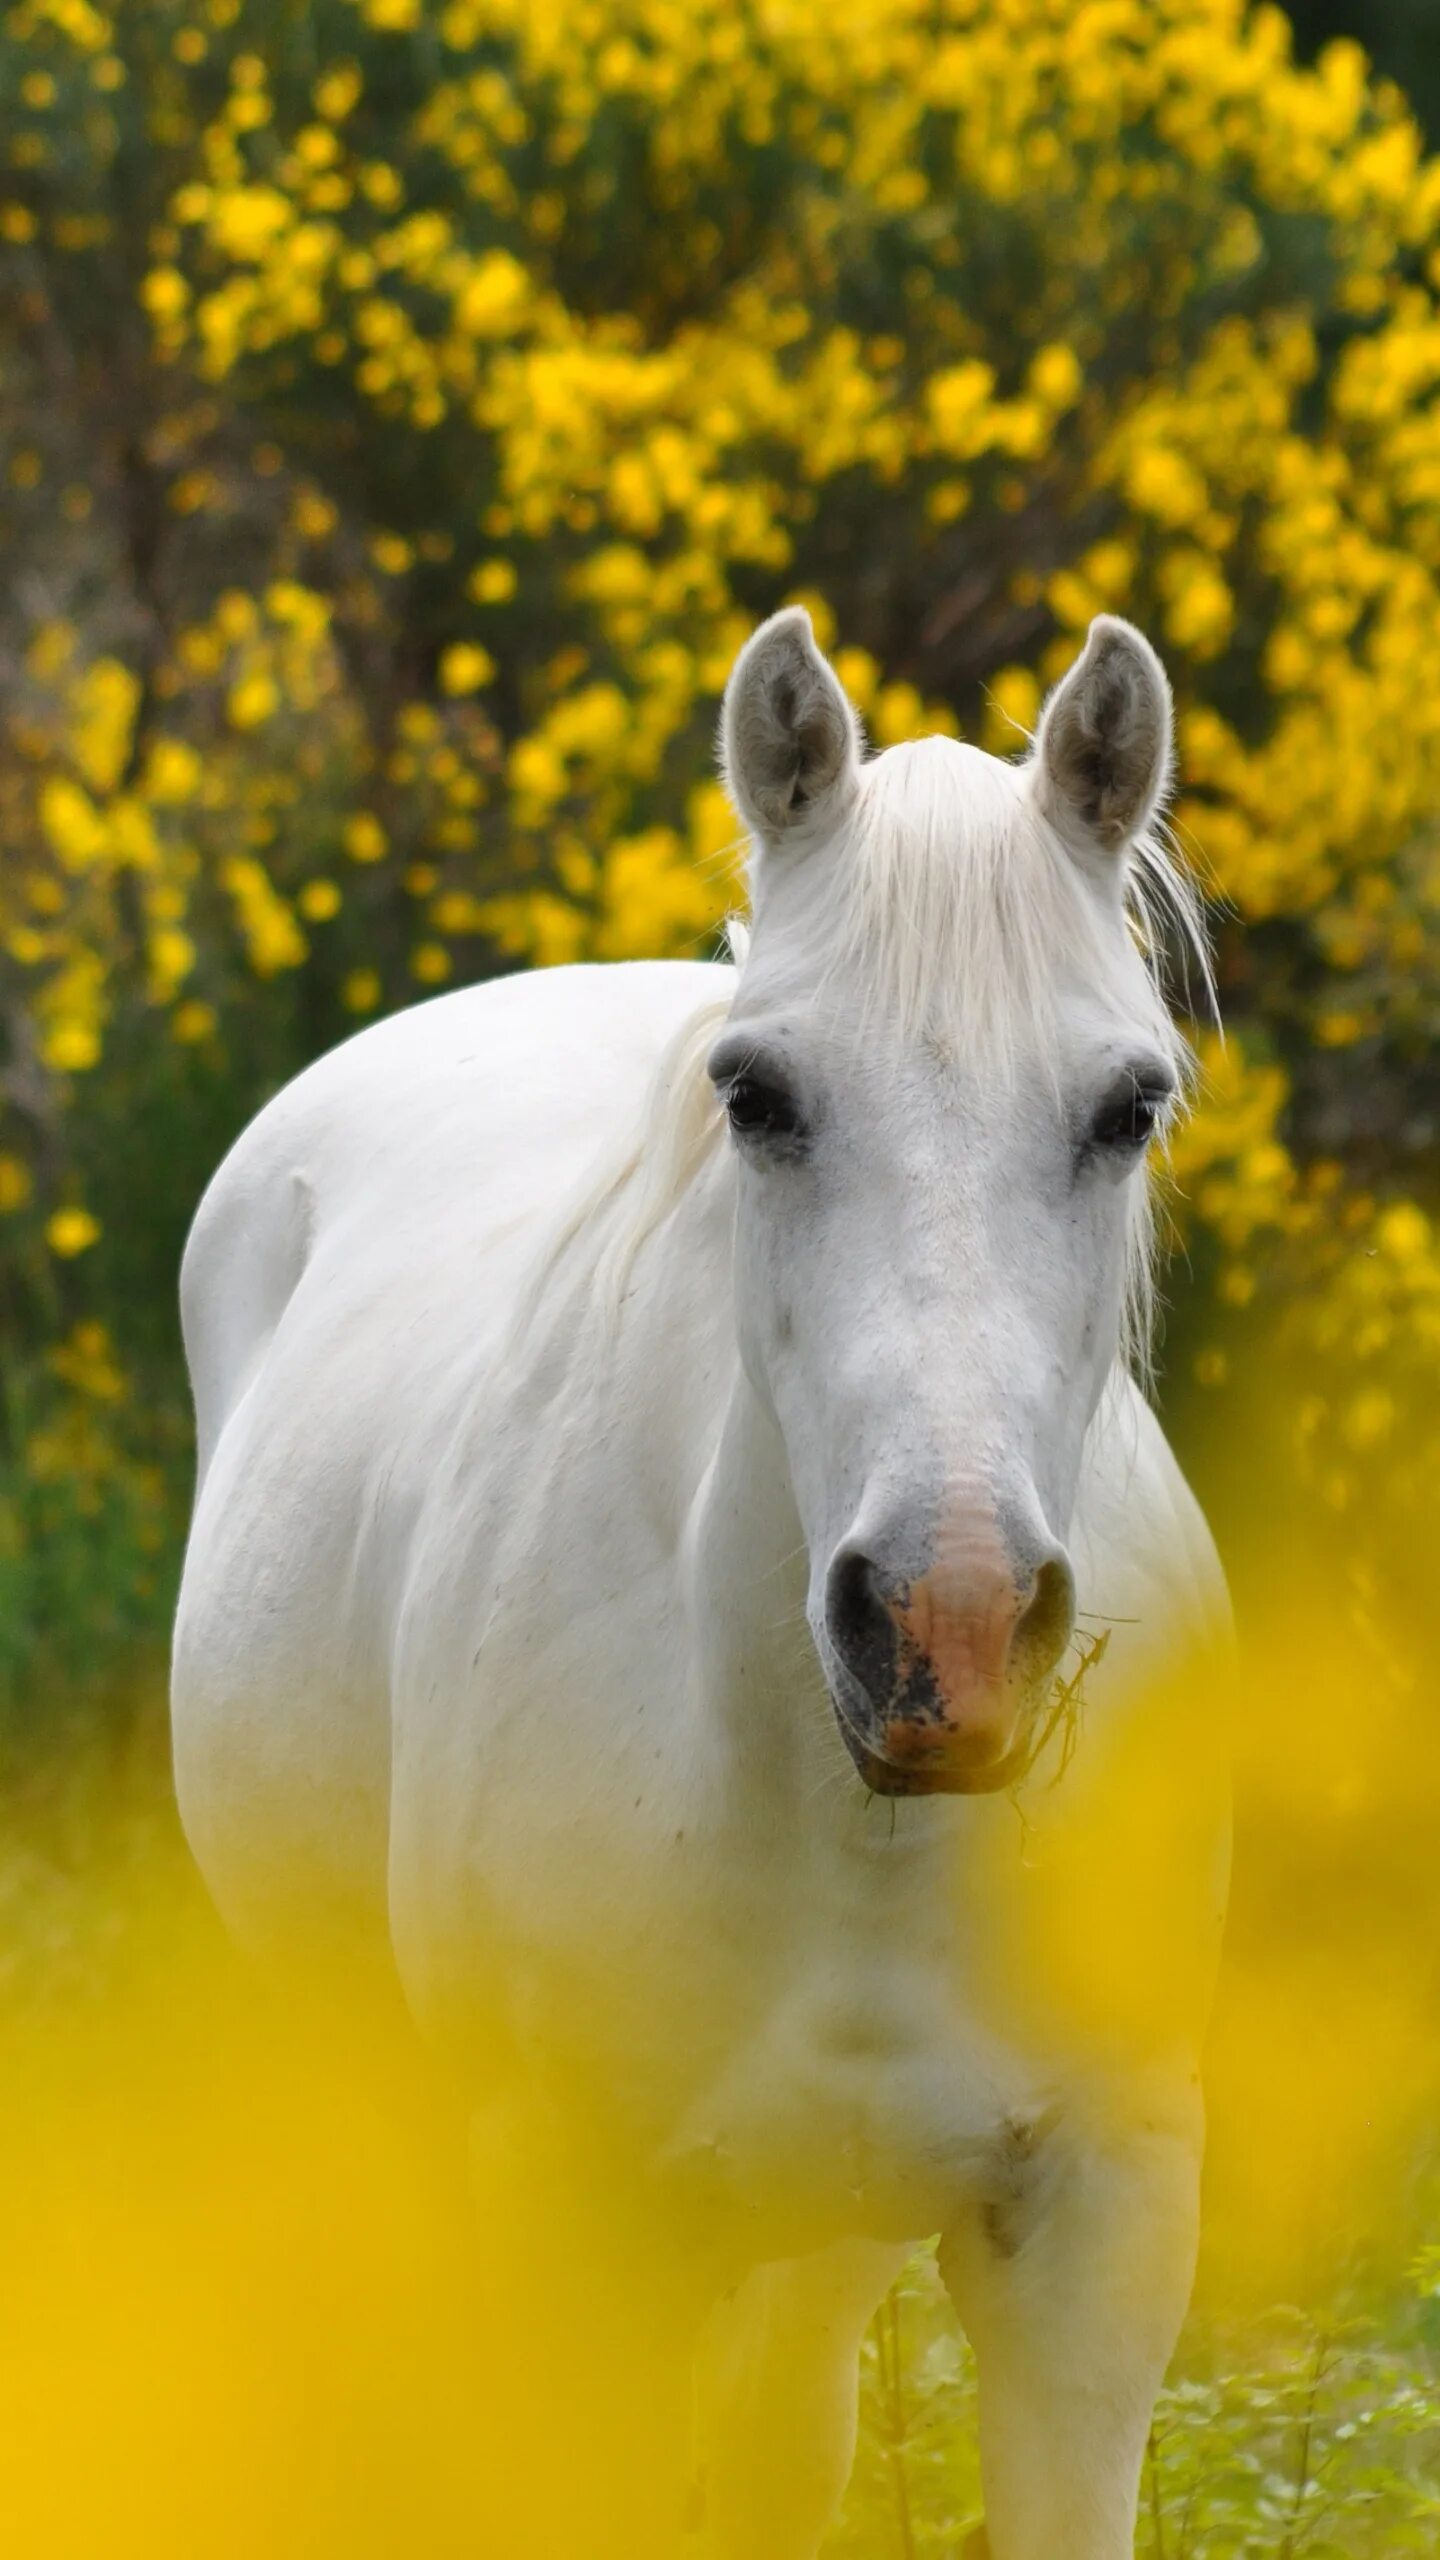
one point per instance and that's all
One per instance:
(405, 411)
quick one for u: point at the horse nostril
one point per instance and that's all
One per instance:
(1044, 1630)
(957, 1645)
(861, 1626)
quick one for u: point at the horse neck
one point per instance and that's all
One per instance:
(681, 1422)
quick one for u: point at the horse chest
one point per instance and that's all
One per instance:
(789, 2042)
(859, 2100)
(853, 2087)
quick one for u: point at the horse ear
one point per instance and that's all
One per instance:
(789, 739)
(1102, 756)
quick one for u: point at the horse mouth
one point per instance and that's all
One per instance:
(941, 1773)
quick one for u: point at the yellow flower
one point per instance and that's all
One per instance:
(16, 1183)
(537, 773)
(1368, 1418)
(70, 1044)
(382, 184)
(430, 962)
(87, 1362)
(71, 1231)
(1163, 484)
(317, 146)
(165, 293)
(73, 824)
(899, 713)
(958, 401)
(104, 703)
(172, 772)
(1055, 377)
(1200, 610)
(493, 581)
(172, 957)
(392, 553)
(253, 701)
(273, 939)
(338, 90)
(457, 911)
(313, 517)
(246, 222)
(1403, 1231)
(319, 900)
(465, 667)
(494, 297)
(361, 991)
(193, 1021)
(364, 838)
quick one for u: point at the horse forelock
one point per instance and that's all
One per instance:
(952, 909)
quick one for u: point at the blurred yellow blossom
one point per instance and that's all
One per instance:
(193, 1020)
(364, 838)
(254, 699)
(69, 1232)
(86, 1358)
(465, 667)
(493, 582)
(16, 1183)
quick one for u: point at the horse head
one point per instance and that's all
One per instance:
(946, 1060)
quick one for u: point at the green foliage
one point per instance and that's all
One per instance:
(409, 409)
(1294, 2436)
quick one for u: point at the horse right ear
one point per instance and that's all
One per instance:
(1102, 756)
(789, 738)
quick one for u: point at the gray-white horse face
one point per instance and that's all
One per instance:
(936, 1198)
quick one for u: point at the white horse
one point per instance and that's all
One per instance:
(648, 1413)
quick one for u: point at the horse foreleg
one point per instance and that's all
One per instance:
(1071, 2286)
(777, 2380)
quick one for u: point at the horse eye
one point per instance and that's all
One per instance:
(1129, 1119)
(758, 1110)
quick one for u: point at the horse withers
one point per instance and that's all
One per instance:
(669, 1446)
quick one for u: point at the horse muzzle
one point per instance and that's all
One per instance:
(938, 1678)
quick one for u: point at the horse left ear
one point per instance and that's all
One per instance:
(789, 739)
(1102, 756)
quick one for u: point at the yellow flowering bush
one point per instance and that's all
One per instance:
(410, 407)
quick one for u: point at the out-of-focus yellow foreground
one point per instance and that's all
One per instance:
(265, 2290)
(256, 2299)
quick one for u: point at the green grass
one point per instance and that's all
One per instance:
(1292, 2433)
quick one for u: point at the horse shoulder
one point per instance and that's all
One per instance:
(346, 1291)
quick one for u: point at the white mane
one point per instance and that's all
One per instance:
(957, 900)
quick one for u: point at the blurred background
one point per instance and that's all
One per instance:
(405, 411)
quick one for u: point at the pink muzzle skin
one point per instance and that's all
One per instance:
(953, 1678)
